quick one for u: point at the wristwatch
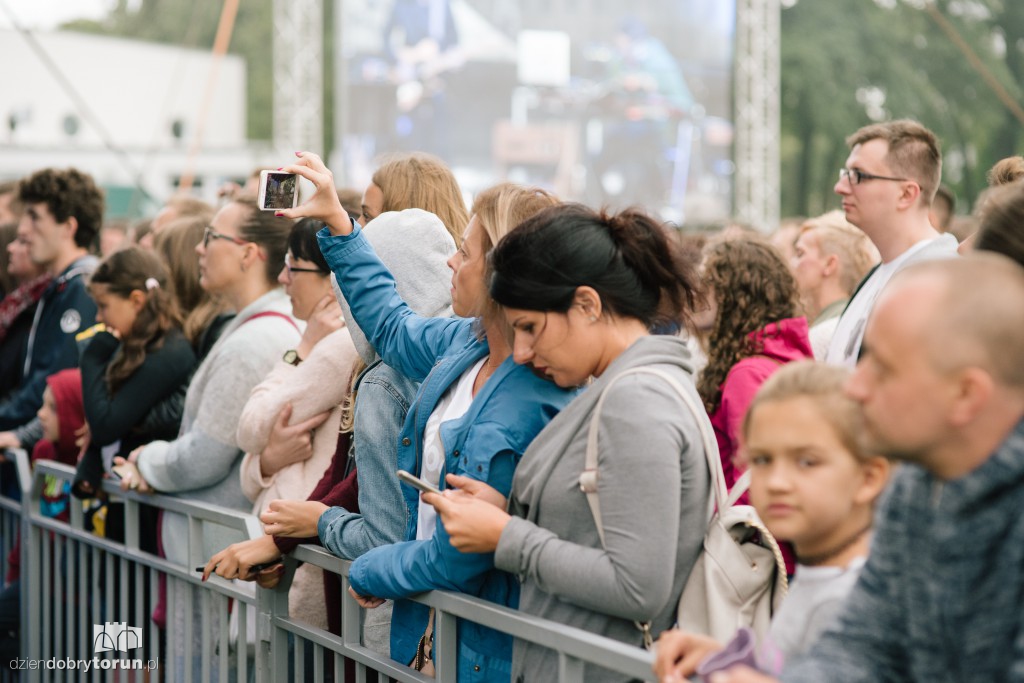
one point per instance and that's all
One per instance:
(291, 356)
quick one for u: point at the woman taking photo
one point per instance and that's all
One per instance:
(581, 290)
(475, 413)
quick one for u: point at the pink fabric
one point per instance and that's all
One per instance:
(784, 341)
(781, 342)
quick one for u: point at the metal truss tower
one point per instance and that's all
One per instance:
(757, 106)
(298, 55)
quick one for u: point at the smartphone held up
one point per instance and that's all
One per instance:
(278, 190)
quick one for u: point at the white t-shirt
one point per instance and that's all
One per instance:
(846, 341)
(813, 602)
(453, 405)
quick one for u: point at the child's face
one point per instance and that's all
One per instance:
(48, 417)
(805, 484)
(116, 312)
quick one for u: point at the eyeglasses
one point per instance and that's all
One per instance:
(211, 234)
(856, 177)
(292, 269)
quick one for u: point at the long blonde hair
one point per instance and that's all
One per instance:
(422, 181)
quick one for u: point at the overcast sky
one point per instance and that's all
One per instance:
(47, 14)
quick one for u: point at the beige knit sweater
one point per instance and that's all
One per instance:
(318, 384)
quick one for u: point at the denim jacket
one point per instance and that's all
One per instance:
(486, 444)
(381, 407)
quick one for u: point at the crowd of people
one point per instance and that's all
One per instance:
(555, 371)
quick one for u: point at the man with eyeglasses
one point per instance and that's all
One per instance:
(887, 188)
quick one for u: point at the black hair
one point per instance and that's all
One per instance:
(628, 258)
(68, 192)
(303, 244)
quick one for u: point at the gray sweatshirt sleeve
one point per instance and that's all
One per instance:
(206, 453)
(864, 643)
(639, 490)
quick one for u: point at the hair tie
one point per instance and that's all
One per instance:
(151, 284)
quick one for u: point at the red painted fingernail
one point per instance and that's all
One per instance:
(280, 167)
(278, 213)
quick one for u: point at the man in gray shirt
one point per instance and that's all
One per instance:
(942, 390)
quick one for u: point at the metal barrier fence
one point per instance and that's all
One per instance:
(79, 589)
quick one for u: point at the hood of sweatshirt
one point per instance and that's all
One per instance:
(786, 340)
(66, 386)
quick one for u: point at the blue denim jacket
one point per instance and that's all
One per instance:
(486, 444)
(381, 407)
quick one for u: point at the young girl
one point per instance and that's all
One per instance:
(813, 485)
(756, 329)
(141, 359)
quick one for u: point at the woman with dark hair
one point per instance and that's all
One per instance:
(289, 426)
(1002, 222)
(757, 327)
(582, 290)
(240, 256)
(475, 414)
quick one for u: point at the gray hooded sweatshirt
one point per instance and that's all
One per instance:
(654, 491)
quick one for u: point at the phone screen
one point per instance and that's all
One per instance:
(278, 190)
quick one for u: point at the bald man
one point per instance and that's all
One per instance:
(941, 597)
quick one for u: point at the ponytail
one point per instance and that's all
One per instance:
(626, 257)
(122, 273)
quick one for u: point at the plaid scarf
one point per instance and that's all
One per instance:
(24, 297)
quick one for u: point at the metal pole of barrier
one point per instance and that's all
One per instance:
(445, 645)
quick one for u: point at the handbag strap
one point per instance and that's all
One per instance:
(588, 478)
(721, 496)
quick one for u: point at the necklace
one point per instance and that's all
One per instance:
(822, 558)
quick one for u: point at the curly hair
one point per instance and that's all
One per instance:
(752, 287)
(126, 271)
(66, 193)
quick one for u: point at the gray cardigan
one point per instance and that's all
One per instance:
(654, 489)
(203, 462)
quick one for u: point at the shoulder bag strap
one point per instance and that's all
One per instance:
(267, 314)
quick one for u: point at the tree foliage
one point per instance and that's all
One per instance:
(847, 63)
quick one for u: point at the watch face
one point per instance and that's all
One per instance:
(291, 356)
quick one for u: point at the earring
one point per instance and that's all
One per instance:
(592, 318)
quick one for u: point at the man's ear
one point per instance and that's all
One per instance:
(972, 393)
(909, 195)
(72, 224)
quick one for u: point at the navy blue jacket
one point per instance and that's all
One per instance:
(65, 309)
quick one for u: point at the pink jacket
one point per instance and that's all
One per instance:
(784, 341)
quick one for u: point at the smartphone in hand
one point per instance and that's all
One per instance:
(278, 190)
(418, 483)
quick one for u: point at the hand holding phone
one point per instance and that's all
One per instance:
(278, 190)
(417, 483)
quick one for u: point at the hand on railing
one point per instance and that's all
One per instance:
(292, 518)
(8, 440)
(324, 204)
(131, 478)
(473, 513)
(237, 560)
(366, 601)
(677, 654)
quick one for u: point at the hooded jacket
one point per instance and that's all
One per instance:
(654, 489)
(66, 386)
(485, 443)
(783, 341)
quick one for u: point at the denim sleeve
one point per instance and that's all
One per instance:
(408, 342)
(380, 414)
(404, 569)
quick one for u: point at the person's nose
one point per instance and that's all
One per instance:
(522, 352)
(283, 277)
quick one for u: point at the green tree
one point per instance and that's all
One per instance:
(846, 63)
